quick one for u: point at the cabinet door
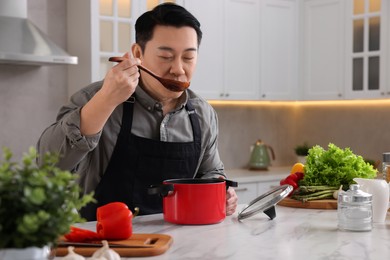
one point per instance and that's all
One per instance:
(279, 50)
(323, 70)
(366, 47)
(208, 78)
(242, 45)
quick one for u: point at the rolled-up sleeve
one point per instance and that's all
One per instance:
(64, 136)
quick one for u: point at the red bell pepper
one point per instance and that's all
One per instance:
(114, 222)
(293, 180)
(79, 235)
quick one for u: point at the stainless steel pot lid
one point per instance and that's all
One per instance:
(266, 202)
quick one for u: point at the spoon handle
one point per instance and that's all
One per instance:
(120, 59)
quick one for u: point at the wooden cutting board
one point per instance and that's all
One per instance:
(158, 244)
(312, 204)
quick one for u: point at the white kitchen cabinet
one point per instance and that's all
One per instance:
(208, 80)
(228, 65)
(246, 192)
(242, 43)
(367, 47)
(252, 184)
(249, 49)
(279, 50)
(345, 49)
(323, 49)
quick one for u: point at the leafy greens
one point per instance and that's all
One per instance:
(335, 167)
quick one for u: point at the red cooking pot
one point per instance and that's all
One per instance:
(194, 201)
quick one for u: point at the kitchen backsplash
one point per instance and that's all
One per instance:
(362, 126)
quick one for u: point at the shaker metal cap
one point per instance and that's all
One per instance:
(354, 195)
(386, 157)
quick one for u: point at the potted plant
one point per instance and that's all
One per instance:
(37, 205)
(302, 151)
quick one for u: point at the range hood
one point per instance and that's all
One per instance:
(21, 42)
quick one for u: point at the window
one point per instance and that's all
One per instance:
(116, 27)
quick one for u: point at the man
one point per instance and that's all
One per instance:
(129, 131)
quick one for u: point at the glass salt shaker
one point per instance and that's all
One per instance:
(386, 166)
(354, 209)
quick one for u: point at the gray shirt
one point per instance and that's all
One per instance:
(89, 155)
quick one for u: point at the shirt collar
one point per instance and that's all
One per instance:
(150, 104)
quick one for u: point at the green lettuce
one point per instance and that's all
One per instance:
(335, 167)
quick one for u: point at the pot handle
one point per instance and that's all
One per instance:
(230, 183)
(162, 189)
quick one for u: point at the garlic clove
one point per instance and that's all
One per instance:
(105, 252)
(72, 255)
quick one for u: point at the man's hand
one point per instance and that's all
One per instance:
(119, 84)
(121, 80)
(231, 201)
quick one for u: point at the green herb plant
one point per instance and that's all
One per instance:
(335, 167)
(37, 203)
(302, 150)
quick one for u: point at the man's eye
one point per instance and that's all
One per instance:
(165, 57)
(188, 58)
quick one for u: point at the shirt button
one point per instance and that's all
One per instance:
(149, 108)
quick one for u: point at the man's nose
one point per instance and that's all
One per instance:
(177, 68)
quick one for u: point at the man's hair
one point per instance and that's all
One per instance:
(167, 14)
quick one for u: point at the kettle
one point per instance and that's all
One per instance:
(260, 159)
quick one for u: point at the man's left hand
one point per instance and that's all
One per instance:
(231, 201)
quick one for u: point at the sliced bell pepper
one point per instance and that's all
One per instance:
(80, 235)
(114, 222)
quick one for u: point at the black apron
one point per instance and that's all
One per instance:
(137, 163)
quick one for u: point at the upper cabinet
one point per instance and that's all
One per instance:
(253, 49)
(367, 45)
(248, 51)
(345, 49)
(322, 52)
(278, 50)
(228, 62)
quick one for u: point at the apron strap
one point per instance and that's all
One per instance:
(194, 122)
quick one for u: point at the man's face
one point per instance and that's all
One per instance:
(171, 53)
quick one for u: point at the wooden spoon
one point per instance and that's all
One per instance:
(173, 85)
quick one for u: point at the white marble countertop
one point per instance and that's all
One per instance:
(246, 175)
(294, 234)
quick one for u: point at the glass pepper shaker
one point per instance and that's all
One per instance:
(354, 209)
